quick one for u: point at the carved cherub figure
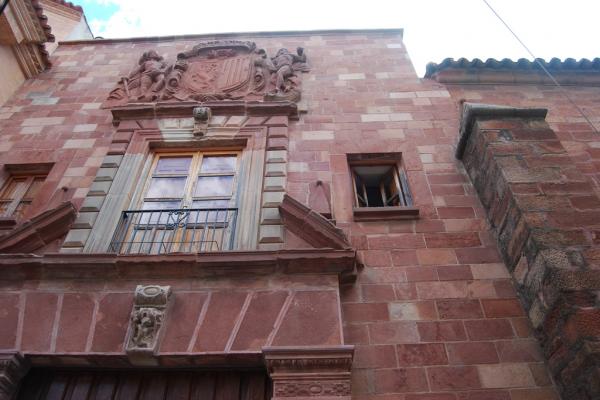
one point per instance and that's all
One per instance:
(283, 64)
(151, 70)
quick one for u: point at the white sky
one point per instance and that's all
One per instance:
(433, 30)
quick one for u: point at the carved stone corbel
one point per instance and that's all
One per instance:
(310, 372)
(13, 367)
(147, 318)
(202, 117)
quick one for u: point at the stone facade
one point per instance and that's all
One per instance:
(419, 308)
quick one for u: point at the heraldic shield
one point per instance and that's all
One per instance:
(210, 71)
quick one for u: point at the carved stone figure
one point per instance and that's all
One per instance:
(285, 63)
(147, 317)
(213, 71)
(145, 82)
(151, 72)
(146, 323)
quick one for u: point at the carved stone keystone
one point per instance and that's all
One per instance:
(202, 117)
(13, 368)
(147, 317)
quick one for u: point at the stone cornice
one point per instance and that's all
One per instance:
(308, 359)
(473, 111)
(208, 36)
(176, 266)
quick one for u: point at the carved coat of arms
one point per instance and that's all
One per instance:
(217, 70)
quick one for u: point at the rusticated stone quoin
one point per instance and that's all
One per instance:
(531, 191)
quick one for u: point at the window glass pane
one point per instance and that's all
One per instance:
(158, 212)
(160, 205)
(214, 186)
(210, 204)
(166, 187)
(217, 211)
(12, 187)
(218, 164)
(34, 188)
(173, 165)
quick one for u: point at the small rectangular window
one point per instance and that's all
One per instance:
(18, 193)
(380, 186)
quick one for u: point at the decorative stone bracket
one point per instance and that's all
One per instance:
(317, 372)
(147, 318)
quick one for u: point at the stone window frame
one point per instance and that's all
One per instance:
(30, 172)
(361, 213)
(136, 164)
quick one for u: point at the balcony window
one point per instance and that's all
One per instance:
(188, 205)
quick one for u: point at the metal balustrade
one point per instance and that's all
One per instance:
(185, 230)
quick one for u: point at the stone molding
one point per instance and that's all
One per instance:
(112, 266)
(474, 111)
(13, 367)
(39, 231)
(141, 111)
(319, 372)
(311, 226)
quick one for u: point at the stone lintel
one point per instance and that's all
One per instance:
(137, 111)
(473, 111)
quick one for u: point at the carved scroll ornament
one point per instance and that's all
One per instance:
(213, 71)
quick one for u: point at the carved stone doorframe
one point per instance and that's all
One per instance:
(13, 367)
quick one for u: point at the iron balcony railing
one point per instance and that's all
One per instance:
(185, 230)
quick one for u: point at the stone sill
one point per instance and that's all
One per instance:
(362, 214)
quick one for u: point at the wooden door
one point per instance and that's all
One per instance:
(56, 384)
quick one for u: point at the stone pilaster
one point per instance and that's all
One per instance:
(310, 372)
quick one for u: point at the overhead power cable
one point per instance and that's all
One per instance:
(537, 61)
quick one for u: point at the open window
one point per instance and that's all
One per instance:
(380, 187)
(188, 204)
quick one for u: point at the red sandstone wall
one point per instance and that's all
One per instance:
(575, 134)
(433, 314)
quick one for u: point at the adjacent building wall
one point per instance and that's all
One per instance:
(12, 76)
(67, 21)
